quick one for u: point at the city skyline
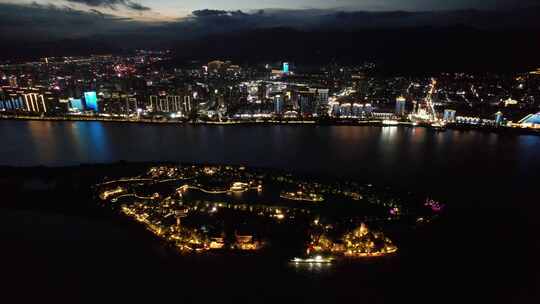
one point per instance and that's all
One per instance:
(143, 87)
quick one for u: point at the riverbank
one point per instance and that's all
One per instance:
(345, 122)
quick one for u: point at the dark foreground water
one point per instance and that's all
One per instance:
(461, 166)
(484, 249)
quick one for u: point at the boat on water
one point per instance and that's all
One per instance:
(318, 259)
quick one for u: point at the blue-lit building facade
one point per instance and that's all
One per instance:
(76, 104)
(449, 115)
(11, 103)
(531, 120)
(91, 102)
(285, 67)
(499, 118)
(28, 100)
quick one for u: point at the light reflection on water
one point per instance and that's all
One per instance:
(400, 156)
(43, 132)
(389, 133)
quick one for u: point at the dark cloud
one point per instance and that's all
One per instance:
(113, 4)
(137, 6)
(99, 13)
(36, 22)
(216, 21)
(217, 13)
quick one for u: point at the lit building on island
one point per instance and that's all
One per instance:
(111, 192)
(363, 243)
(360, 242)
(246, 242)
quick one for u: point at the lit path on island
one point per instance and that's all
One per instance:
(225, 191)
(133, 195)
(144, 180)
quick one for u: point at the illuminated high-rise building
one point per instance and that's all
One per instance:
(131, 104)
(35, 102)
(178, 103)
(359, 82)
(400, 106)
(322, 96)
(170, 104)
(13, 81)
(285, 67)
(308, 103)
(261, 91)
(76, 104)
(9, 101)
(90, 100)
(154, 103)
(187, 103)
(499, 118)
(278, 104)
(449, 115)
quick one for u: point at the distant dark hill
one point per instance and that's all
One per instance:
(409, 49)
(23, 51)
(422, 49)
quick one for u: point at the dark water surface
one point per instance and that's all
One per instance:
(461, 166)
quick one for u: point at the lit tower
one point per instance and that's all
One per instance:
(425, 111)
(430, 109)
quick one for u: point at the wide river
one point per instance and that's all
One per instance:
(460, 166)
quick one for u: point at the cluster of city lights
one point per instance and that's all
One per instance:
(164, 200)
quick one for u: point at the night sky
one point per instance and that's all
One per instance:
(167, 10)
(54, 27)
